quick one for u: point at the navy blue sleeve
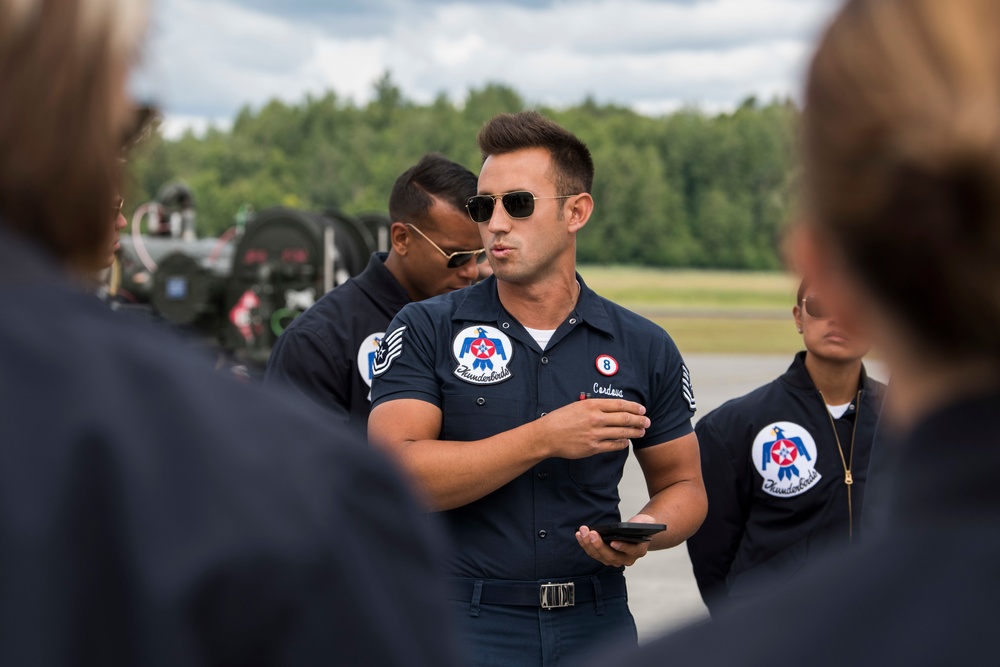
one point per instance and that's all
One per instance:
(157, 513)
(713, 548)
(671, 402)
(304, 364)
(405, 365)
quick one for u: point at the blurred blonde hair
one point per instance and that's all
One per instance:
(63, 71)
(901, 147)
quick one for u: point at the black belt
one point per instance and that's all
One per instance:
(546, 594)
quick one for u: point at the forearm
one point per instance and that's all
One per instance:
(452, 474)
(682, 507)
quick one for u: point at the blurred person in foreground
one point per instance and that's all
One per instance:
(902, 168)
(152, 512)
(327, 353)
(785, 465)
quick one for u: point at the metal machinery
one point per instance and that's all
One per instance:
(283, 262)
(242, 289)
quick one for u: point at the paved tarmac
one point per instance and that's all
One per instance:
(662, 591)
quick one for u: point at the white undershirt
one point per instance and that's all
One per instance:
(838, 410)
(541, 336)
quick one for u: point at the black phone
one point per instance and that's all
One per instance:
(623, 531)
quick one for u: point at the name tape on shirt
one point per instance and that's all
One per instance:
(388, 351)
(784, 455)
(483, 354)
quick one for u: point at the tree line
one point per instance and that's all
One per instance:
(685, 189)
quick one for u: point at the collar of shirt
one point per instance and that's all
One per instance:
(482, 304)
(379, 284)
(798, 377)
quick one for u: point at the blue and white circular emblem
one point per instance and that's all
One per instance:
(366, 357)
(784, 454)
(607, 365)
(483, 353)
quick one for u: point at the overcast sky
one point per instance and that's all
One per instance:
(208, 58)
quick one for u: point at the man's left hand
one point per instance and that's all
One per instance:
(616, 553)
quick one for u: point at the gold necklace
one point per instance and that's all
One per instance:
(849, 461)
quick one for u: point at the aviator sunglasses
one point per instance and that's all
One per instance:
(518, 205)
(814, 307)
(455, 259)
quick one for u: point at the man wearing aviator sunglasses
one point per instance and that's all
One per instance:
(478, 394)
(327, 353)
(455, 259)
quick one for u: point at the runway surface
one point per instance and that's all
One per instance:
(662, 591)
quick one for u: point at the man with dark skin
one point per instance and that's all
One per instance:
(326, 354)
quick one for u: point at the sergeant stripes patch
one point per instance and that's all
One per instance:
(388, 351)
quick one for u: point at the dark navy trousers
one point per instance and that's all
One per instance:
(514, 636)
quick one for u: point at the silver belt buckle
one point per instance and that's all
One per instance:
(556, 596)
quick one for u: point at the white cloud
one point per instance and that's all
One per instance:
(211, 57)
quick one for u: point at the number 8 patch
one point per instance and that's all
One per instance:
(606, 365)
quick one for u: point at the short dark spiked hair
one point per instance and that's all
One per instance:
(435, 175)
(507, 133)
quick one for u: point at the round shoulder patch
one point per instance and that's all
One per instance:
(366, 356)
(483, 354)
(784, 455)
(607, 365)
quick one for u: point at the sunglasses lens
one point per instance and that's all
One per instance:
(481, 257)
(814, 308)
(519, 204)
(480, 208)
(465, 258)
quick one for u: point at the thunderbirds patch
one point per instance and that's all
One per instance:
(366, 358)
(784, 454)
(483, 353)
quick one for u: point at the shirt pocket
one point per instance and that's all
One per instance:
(600, 471)
(477, 416)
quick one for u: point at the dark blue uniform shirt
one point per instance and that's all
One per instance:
(465, 354)
(327, 352)
(153, 512)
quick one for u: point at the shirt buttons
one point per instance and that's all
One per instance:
(480, 401)
(542, 534)
(543, 414)
(545, 360)
(506, 325)
(542, 474)
(572, 320)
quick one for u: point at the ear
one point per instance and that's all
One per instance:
(399, 237)
(797, 314)
(577, 212)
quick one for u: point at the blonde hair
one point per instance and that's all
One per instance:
(63, 68)
(901, 148)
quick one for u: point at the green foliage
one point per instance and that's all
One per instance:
(681, 190)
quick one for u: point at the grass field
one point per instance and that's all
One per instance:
(721, 312)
